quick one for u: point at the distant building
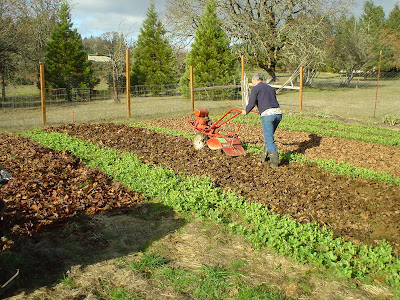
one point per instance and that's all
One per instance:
(99, 58)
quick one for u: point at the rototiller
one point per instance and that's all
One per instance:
(206, 132)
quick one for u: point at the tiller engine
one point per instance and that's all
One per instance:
(206, 132)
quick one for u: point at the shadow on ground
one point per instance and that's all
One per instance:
(46, 257)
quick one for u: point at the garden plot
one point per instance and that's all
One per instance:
(49, 187)
(359, 210)
(303, 191)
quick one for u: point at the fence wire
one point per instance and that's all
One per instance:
(327, 94)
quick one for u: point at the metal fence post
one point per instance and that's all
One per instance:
(42, 93)
(128, 85)
(301, 90)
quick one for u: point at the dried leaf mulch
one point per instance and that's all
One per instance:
(48, 187)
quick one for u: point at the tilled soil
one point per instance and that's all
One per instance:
(360, 154)
(49, 187)
(360, 210)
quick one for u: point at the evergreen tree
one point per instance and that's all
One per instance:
(210, 55)
(390, 41)
(384, 35)
(66, 64)
(373, 22)
(152, 59)
(373, 18)
(393, 21)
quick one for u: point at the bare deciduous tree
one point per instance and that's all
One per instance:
(263, 30)
(9, 37)
(40, 17)
(116, 50)
(25, 28)
(182, 17)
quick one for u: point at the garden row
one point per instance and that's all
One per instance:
(312, 197)
(374, 151)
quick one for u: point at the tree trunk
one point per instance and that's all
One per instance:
(270, 69)
(272, 75)
(115, 83)
(349, 78)
(3, 88)
(309, 76)
(69, 94)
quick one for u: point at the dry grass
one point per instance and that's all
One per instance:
(348, 103)
(190, 247)
(200, 243)
(12, 120)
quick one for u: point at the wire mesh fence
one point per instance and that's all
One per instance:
(165, 90)
(327, 94)
(53, 97)
(354, 79)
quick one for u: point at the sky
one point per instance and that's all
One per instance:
(386, 4)
(95, 17)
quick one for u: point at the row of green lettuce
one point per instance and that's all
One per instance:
(329, 165)
(333, 128)
(306, 243)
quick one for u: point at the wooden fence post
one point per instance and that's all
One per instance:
(128, 85)
(191, 88)
(42, 93)
(301, 90)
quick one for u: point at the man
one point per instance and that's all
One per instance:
(264, 97)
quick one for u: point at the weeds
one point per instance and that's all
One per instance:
(205, 283)
(391, 120)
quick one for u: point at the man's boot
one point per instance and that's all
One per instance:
(264, 156)
(274, 157)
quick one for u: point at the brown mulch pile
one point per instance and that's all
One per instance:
(360, 210)
(49, 187)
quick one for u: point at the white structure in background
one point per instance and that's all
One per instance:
(99, 58)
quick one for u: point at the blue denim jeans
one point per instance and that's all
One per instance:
(269, 125)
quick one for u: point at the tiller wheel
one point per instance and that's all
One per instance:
(207, 133)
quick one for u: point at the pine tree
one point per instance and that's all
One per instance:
(66, 64)
(210, 55)
(373, 18)
(373, 21)
(393, 21)
(390, 41)
(152, 59)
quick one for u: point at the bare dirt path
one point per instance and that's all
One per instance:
(363, 211)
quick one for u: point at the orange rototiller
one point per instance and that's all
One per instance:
(206, 132)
